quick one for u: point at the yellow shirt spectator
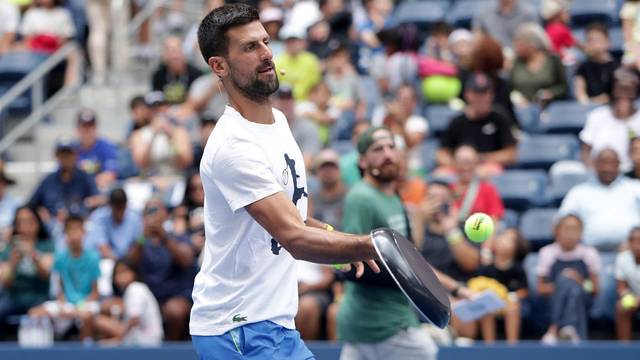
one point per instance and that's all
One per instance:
(302, 68)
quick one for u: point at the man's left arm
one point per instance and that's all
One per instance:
(180, 250)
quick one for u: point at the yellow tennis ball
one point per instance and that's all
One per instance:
(628, 301)
(478, 227)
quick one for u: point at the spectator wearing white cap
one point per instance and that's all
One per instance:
(301, 68)
(557, 16)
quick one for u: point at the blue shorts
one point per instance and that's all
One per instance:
(261, 340)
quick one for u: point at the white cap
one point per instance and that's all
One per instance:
(416, 124)
(460, 35)
(552, 7)
(293, 32)
(271, 14)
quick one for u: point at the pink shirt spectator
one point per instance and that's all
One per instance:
(551, 253)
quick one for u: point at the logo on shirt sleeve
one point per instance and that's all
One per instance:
(298, 193)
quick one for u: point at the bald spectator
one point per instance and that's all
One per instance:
(607, 203)
(174, 76)
(502, 20)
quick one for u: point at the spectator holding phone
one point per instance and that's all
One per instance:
(25, 265)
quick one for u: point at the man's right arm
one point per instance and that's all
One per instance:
(277, 214)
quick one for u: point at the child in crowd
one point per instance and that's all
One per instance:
(319, 110)
(78, 270)
(141, 322)
(509, 249)
(557, 17)
(568, 274)
(627, 273)
(593, 76)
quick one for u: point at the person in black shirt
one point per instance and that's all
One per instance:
(174, 76)
(634, 155)
(480, 126)
(593, 77)
(509, 249)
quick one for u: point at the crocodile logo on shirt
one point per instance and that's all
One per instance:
(239, 318)
(298, 193)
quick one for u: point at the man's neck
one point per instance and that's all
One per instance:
(388, 188)
(76, 252)
(87, 145)
(257, 112)
(66, 175)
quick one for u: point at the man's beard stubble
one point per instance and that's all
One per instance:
(257, 90)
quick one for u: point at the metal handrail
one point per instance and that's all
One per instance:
(34, 118)
(37, 74)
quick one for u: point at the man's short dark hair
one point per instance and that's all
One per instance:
(136, 101)
(118, 197)
(597, 26)
(73, 218)
(213, 28)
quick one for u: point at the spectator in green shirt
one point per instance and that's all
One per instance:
(375, 320)
(301, 68)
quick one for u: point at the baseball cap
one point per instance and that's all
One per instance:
(65, 144)
(291, 32)
(479, 82)
(86, 117)
(551, 8)
(460, 35)
(155, 98)
(326, 156)
(367, 139)
(271, 14)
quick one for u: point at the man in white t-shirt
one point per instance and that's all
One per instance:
(245, 295)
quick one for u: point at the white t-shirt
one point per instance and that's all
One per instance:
(603, 130)
(140, 302)
(9, 17)
(42, 21)
(627, 270)
(246, 276)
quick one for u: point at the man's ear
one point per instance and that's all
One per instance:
(219, 66)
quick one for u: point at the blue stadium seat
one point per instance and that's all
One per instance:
(13, 67)
(461, 13)
(536, 225)
(522, 189)
(528, 117)
(439, 117)
(564, 117)
(542, 151)
(560, 185)
(428, 151)
(510, 218)
(584, 12)
(421, 13)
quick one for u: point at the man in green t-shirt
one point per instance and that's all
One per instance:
(376, 320)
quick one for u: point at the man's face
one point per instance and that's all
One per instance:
(87, 133)
(295, 46)
(117, 212)
(381, 160)
(173, 56)
(607, 166)
(249, 58)
(328, 174)
(597, 42)
(406, 97)
(466, 160)
(75, 234)
(480, 101)
(66, 159)
(286, 104)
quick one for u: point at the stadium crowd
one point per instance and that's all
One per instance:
(109, 243)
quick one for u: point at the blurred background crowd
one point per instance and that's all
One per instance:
(524, 110)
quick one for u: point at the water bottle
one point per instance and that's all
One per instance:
(26, 332)
(46, 332)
